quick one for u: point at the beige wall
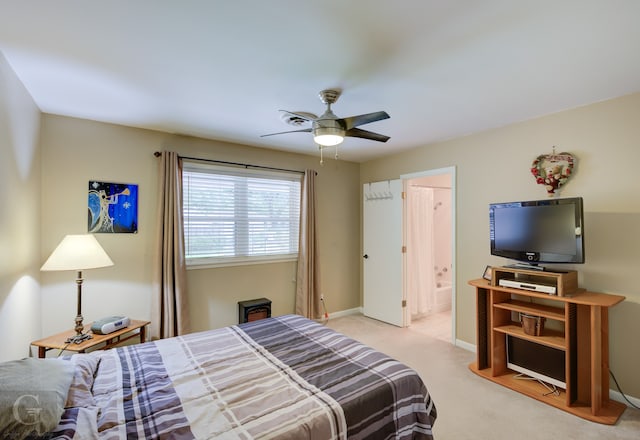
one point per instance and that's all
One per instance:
(76, 151)
(20, 320)
(493, 166)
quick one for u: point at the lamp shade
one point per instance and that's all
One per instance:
(77, 252)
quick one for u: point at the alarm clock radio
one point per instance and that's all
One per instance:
(109, 324)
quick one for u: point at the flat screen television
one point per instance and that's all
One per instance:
(537, 361)
(538, 231)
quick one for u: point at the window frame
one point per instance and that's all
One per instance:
(242, 172)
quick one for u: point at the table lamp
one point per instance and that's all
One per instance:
(78, 252)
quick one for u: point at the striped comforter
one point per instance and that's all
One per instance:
(279, 378)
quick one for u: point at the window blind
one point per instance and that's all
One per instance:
(235, 215)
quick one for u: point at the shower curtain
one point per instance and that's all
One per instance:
(420, 252)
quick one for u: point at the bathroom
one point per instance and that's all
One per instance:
(429, 250)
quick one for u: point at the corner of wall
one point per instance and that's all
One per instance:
(20, 177)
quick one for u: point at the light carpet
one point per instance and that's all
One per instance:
(470, 407)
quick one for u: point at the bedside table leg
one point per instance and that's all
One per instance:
(42, 352)
(143, 334)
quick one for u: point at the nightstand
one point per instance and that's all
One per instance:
(97, 342)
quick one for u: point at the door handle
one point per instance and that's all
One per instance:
(365, 256)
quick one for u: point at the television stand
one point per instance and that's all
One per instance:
(577, 325)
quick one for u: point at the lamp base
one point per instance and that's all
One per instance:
(78, 338)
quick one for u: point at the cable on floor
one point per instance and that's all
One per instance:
(620, 390)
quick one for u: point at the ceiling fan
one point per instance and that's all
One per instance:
(329, 130)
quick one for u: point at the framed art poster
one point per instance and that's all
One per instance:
(113, 207)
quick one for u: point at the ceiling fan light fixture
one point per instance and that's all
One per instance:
(328, 130)
(328, 136)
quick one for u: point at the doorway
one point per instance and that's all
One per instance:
(429, 261)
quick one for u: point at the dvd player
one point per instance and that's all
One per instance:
(543, 288)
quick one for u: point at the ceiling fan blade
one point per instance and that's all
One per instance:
(304, 130)
(357, 132)
(354, 121)
(306, 117)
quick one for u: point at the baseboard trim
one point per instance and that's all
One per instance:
(338, 314)
(465, 345)
(356, 311)
(618, 397)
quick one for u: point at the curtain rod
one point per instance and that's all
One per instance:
(245, 165)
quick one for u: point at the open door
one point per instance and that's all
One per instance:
(382, 252)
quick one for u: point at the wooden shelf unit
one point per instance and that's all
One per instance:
(579, 327)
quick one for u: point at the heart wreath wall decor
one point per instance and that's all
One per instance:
(553, 170)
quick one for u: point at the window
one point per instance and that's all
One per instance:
(239, 216)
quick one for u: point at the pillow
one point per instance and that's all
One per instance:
(80, 394)
(33, 394)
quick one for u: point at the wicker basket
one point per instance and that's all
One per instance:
(531, 324)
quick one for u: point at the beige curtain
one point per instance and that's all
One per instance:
(170, 311)
(308, 291)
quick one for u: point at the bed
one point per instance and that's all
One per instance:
(278, 378)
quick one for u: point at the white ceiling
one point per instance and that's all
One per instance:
(221, 69)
